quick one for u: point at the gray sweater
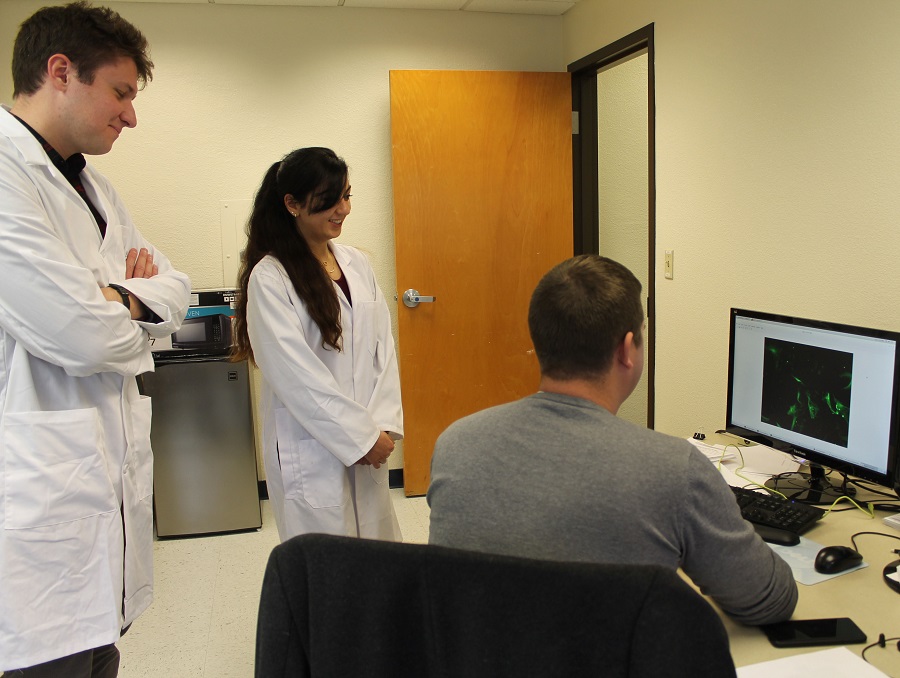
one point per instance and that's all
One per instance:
(559, 478)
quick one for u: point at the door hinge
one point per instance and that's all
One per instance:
(575, 129)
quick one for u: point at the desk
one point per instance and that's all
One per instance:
(861, 595)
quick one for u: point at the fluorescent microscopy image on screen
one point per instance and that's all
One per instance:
(807, 389)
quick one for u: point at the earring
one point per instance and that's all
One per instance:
(294, 214)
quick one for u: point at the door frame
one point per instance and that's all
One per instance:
(585, 174)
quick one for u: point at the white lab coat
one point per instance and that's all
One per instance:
(323, 409)
(75, 453)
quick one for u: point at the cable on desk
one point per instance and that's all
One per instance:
(864, 484)
(738, 470)
(868, 487)
(881, 642)
(880, 534)
(868, 510)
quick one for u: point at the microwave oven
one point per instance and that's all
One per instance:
(208, 332)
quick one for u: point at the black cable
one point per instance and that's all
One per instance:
(828, 496)
(881, 642)
(859, 482)
(881, 534)
(876, 507)
(867, 486)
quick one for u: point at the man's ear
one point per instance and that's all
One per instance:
(59, 71)
(625, 351)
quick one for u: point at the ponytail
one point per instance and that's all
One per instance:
(272, 231)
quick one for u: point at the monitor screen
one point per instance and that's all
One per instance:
(823, 391)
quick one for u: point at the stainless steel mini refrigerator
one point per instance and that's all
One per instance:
(204, 448)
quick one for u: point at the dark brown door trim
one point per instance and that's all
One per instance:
(585, 172)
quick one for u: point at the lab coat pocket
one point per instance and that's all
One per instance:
(139, 466)
(379, 475)
(137, 484)
(308, 471)
(54, 472)
(368, 323)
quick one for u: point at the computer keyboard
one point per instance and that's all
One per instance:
(774, 511)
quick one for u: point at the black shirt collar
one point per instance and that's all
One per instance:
(70, 167)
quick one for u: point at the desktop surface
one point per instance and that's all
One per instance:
(861, 594)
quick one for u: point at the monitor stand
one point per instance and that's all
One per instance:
(812, 487)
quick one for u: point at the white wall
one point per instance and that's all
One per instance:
(237, 87)
(777, 143)
(778, 171)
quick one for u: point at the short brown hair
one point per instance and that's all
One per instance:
(90, 37)
(579, 312)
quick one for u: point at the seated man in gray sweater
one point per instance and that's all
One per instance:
(558, 476)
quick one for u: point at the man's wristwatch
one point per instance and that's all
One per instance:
(126, 297)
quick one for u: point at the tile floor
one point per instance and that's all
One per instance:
(202, 623)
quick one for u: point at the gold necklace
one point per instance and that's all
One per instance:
(329, 270)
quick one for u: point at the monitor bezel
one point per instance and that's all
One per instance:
(889, 478)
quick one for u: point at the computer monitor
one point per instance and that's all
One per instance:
(823, 391)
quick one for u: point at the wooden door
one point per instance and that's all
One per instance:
(482, 174)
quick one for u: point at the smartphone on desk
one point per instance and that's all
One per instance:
(806, 632)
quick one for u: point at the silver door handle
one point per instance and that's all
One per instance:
(412, 298)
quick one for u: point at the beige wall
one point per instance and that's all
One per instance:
(237, 87)
(778, 180)
(777, 143)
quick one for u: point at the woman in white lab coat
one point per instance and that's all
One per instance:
(312, 317)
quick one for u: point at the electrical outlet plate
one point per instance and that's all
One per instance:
(670, 264)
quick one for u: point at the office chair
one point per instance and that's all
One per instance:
(342, 608)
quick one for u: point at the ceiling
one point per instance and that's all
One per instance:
(545, 7)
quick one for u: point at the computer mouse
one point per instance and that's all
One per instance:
(834, 559)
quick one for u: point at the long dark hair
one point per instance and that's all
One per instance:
(316, 178)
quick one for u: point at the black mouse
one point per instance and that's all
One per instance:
(834, 559)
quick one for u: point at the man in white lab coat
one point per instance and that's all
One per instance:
(80, 292)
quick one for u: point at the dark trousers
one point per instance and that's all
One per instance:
(101, 662)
